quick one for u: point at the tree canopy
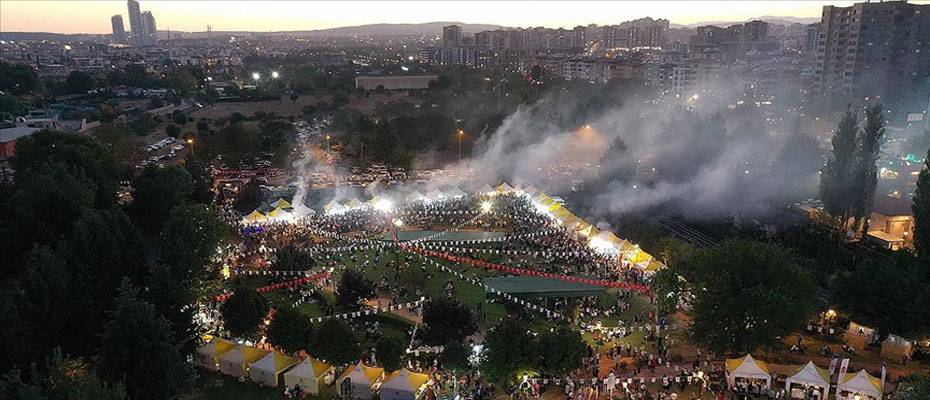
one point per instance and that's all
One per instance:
(353, 287)
(290, 330)
(747, 295)
(244, 312)
(336, 342)
(447, 321)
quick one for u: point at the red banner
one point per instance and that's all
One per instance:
(278, 286)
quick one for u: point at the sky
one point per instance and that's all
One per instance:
(77, 16)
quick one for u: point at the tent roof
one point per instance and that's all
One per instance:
(415, 196)
(504, 188)
(812, 375)
(277, 212)
(405, 380)
(456, 192)
(274, 362)
(861, 381)
(353, 203)
(370, 374)
(486, 189)
(309, 367)
(538, 286)
(747, 367)
(243, 354)
(531, 190)
(255, 216)
(435, 194)
(216, 346)
(281, 203)
(333, 205)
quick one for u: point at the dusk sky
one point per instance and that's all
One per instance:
(94, 16)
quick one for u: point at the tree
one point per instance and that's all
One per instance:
(336, 342)
(667, 288)
(244, 312)
(137, 350)
(65, 379)
(158, 190)
(746, 295)
(178, 117)
(250, 197)
(454, 357)
(836, 180)
(189, 239)
(390, 351)
(175, 300)
(173, 130)
(564, 351)
(509, 349)
(18, 79)
(865, 176)
(291, 258)
(921, 208)
(79, 82)
(447, 321)
(890, 295)
(353, 287)
(290, 330)
(914, 387)
(202, 177)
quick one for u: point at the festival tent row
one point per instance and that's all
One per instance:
(807, 378)
(281, 210)
(262, 367)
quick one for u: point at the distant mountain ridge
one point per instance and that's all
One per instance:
(424, 29)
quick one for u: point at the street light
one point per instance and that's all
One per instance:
(327, 142)
(274, 75)
(256, 76)
(460, 134)
(190, 143)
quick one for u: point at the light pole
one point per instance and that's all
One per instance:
(327, 142)
(460, 134)
(190, 144)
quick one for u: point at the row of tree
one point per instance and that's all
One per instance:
(114, 286)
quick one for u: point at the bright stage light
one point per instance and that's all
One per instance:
(398, 223)
(486, 206)
(384, 205)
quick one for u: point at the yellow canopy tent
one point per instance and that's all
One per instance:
(862, 383)
(236, 361)
(504, 188)
(279, 213)
(640, 256)
(310, 375)
(362, 379)
(747, 368)
(403, 385)
(265, 371)
(281, 203)
(254, 217)
(653, 266)
(806, 376)
(208, 355)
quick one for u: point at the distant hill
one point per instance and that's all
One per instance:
(777, 20)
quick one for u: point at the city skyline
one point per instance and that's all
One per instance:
(92, 16)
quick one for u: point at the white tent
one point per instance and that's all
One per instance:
(208, 355)
(362, 381)
(456, 192)
(403, 385)
(310, 375)
(486, 190)
(435, 194)
(866, 386)
(808, 376)
(333, 207)
(354, 203)
(504, 188)
(415, 197)
(236, 361)
(747, 368)
(265, 371)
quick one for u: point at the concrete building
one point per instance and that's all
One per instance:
(451, 36)
(149, 29)
(135, 22)
(891, 223)
(119, 30)
(875, 51)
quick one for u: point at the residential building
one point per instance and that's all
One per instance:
(119, 31)
(135, 22)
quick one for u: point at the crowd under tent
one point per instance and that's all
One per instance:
(747, 369)
(265, 371)
(310, 375)
(861, 383)
(208, 355)
(281, 203)
(236, 361)
(415, 197)
(359, 382)
(403, 385)
(809, 378)
(254, 217)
